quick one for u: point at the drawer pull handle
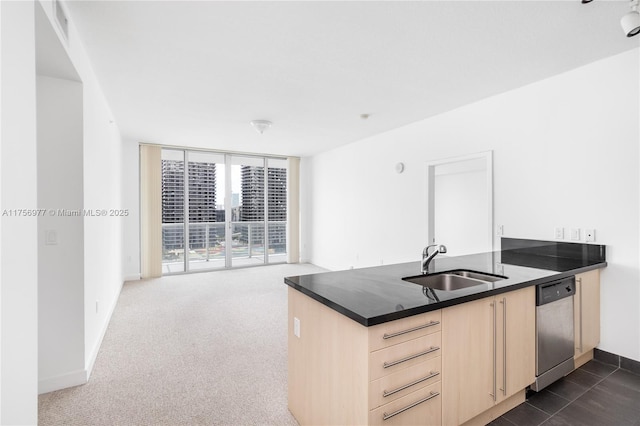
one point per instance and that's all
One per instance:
(401, 388)
(386, 416)
(504, 346)
(495, 333)
(410, 357)
(420, 327)
(579, 281)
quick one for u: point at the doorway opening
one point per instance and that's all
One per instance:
(460, 203)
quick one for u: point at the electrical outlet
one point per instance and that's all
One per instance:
(575, 234)
(500, 230)
(559, 233)
(296, 327)
(590, 235)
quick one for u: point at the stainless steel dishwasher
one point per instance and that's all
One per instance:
(554, 331)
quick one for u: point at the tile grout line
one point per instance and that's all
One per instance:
(576, 398)
(591, 388)
(569, 402)
(507, 420)
(542, 411)
(588, 389)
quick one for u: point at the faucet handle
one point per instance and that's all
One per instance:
(442, 249)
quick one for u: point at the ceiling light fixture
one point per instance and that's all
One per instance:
(261, 125)
(631, 21)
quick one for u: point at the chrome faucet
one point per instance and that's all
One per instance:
(426, 257)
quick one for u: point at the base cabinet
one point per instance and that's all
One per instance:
(490, 353)
(464, 363)
(586, 311)
(342, 373)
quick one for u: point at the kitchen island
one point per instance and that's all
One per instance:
(366, 347)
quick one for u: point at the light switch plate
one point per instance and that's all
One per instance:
(575, 234)
(50, 237)
(559, 232)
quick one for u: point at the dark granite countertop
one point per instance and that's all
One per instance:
(375, 295)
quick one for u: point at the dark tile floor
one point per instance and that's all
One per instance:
(596, 394)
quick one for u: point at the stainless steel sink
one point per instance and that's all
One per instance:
(477, 275)
(453, 280)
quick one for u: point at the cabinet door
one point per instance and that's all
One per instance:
(587, 311)
(468, 360)
(516, 344)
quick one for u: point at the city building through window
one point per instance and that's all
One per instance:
(214, 207)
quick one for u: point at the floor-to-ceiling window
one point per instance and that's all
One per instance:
(222, 210)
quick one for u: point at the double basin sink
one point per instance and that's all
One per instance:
(454, 280)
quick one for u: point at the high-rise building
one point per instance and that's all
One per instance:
(252, 208)
(202, 201)
(203, 208)
(277, 210)
(252, 189)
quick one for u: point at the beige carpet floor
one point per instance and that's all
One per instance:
(197, 349)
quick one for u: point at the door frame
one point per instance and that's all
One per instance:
(487, 156)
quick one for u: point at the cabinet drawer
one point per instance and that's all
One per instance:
(422, 407)
(403, 355)
(403, 382)
(398, 331)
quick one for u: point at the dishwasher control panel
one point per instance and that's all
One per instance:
(555, 290)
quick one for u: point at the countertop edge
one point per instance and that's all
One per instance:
(381, 319)
(336, 307)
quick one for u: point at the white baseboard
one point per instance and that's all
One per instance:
(74, 378)
(96, 348)
(79, 377)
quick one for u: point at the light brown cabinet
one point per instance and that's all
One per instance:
(341, 372)
(586, 311)
(469, 362)
(405, 365)
(489, 353)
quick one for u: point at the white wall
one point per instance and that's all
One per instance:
(18, 247)
(102, 235)
(565, 154)
(102, 181)
(60, 265)
(101, 185)
(101, 176)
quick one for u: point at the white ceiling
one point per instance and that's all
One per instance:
(195, 73)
